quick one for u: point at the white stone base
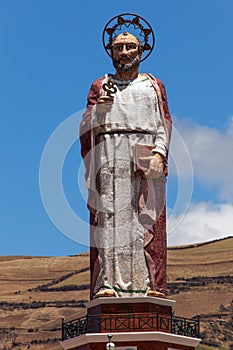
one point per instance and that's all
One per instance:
(134, 300)
(127, 337)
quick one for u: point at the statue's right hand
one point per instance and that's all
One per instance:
(104, 104)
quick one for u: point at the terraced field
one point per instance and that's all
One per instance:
(37, 292)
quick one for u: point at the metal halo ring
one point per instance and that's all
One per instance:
(137, 25)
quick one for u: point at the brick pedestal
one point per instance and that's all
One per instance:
(135, 324)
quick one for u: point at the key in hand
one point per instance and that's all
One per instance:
(110, 88)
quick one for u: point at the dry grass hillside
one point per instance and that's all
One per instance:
(37, 292)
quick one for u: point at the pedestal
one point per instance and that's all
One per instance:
(135, 324)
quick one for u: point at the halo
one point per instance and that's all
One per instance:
(133, 24)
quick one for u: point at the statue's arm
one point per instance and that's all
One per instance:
(167, 121)
(85, 126)
(158, 162)
(167, 116)
(163, 106)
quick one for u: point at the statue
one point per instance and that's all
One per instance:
(125, 135)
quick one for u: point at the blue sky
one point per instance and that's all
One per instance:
(51, 51)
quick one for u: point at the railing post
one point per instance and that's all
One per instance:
(171, 320)
(157, 320)
(77, 328)
(198, 326)
(185, 327)
(62, 329)
(87, 324)
(111, 326)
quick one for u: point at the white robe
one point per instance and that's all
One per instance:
(133, 119)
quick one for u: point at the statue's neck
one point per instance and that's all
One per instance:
(123, 76)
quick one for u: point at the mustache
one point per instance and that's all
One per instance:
(126, 67)
(125, 56)
(118, 62)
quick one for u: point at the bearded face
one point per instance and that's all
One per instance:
(126, 52)
(126, 67)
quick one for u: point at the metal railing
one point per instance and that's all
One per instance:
(131, 323)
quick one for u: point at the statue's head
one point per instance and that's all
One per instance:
(126, 52)
(144, 37)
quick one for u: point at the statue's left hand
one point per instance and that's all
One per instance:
(156, 166)
(104, 104)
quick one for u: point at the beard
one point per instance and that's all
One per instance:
(127, 67)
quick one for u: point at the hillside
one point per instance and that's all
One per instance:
(37, 292)
(200, 279)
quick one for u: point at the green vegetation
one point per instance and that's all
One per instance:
(204, 347)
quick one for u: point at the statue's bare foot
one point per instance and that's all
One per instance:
(156, 294)
(105, 292)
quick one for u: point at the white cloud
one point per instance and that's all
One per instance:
(203, 222)
(211, 152)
